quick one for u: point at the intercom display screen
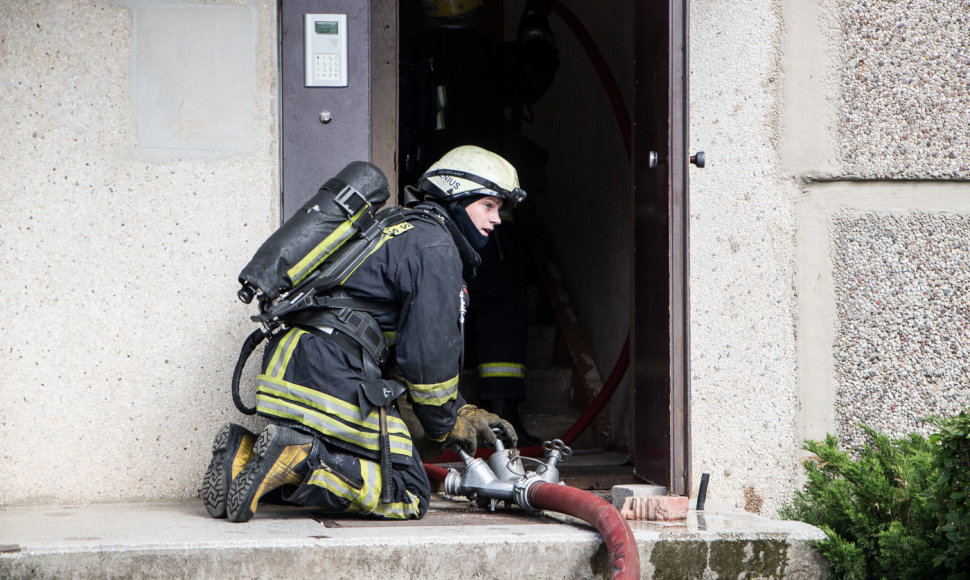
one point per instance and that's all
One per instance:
(325, 27)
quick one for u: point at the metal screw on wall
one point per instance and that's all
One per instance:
(326, 117)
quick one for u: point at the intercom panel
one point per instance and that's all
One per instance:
(325, 45)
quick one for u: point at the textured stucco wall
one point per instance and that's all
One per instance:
(883, 301)
(743, 382)
(120, 326)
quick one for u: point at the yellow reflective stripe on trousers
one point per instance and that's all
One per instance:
(399, 510)
(333, 483)
(501, 369)
(323, 250)
(328, 404)
(284, 350)
(329, 426)
(370, 492)
(434, 393)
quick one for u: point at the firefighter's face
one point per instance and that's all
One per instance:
(484, 213)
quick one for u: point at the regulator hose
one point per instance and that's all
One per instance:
(252, 341)
(597, 512)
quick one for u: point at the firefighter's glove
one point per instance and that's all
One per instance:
(462, 435)
(483, 422)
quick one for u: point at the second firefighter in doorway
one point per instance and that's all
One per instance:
(336, 438)
(458, 82)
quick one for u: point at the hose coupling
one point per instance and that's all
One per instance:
(521, 492)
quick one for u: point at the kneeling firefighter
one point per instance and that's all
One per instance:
(336, 439)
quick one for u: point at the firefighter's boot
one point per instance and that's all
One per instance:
(231, 450)
(279, 458)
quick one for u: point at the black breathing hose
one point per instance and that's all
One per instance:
(252, 341)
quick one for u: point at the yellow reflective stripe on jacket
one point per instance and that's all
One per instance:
(434, 393)
(384, 238)
(501, 369)
(324, 249)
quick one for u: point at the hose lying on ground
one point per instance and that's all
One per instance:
(597, 512)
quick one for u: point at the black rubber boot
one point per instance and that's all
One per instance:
(231, 450)
(279, 458)
(508, 409)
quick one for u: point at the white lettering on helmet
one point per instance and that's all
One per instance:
(452, 181)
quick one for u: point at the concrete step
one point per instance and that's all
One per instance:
(455, 540)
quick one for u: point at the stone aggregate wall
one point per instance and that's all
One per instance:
(905, 89)
(902, 343)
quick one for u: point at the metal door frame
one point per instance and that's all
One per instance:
(661, 351)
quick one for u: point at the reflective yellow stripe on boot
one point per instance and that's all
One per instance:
(243, 454)
(283, 471)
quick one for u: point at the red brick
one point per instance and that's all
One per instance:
(655, 507)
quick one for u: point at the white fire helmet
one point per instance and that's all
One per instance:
(472, 171)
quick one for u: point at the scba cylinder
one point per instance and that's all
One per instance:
(306, 241)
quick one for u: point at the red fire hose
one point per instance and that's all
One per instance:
(616, 533)
(596, 511)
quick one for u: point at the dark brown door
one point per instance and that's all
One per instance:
(661, 399)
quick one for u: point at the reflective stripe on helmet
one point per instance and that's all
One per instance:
(468, 171)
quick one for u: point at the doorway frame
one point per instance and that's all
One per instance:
(662, 449)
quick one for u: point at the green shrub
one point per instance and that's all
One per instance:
(876, 507)
(950, 499)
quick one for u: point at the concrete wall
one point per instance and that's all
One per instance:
(882, 213)
(139, 170)
(827, 231)
(744, 397)
(827, 250)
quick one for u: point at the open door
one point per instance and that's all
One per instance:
(662, 384)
